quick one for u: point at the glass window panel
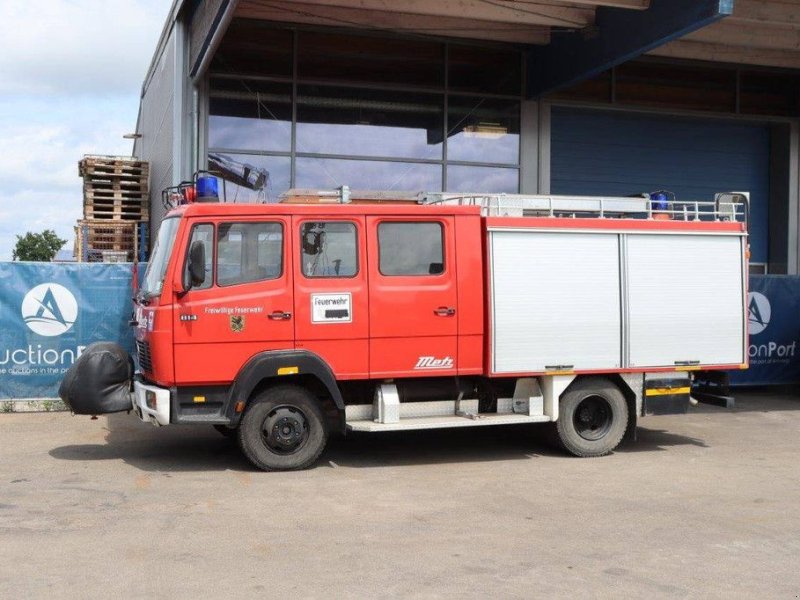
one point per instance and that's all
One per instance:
(327, 173)
(254, 48)
(358, 58)
(250, 177)
(249, 115)
(482, 179)
(483, 130)
(329, 249)
(481, 69)
(369, 123)
(202, 233)
(410, 249)
(249, 252)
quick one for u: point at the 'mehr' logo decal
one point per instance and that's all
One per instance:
(431, 362)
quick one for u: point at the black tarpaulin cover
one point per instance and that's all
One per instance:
(100, 380)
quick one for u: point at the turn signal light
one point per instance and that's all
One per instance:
(150, 399)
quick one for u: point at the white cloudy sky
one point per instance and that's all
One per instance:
(70, 76)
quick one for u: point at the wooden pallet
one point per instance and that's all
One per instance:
(93, 236)
(116, 206)
(123, 210)
(91, 184)
(115, 188)
(112, 166)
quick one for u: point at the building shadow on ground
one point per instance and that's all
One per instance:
(197, 448)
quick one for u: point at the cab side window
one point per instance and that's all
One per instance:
(329, 249)
(202, 233)
(411, 249)
(248, 252)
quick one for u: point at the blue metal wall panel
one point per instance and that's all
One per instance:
(605, 153)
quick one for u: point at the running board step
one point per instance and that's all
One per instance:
(438, 422)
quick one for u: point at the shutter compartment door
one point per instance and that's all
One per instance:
(555, 301)
(685, 300)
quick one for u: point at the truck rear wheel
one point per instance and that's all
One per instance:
(592, 418)
(283, 429)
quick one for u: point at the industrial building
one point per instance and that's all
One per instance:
(609, 97)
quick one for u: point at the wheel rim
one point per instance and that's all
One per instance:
(285, 430)
(592, 418)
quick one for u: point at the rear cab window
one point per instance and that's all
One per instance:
(329, 249)
(411, 248)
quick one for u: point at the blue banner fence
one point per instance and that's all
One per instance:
(773, 304)
(49, 312)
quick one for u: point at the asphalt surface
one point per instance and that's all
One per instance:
(705, 505)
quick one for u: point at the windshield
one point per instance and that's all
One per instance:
(157, 267)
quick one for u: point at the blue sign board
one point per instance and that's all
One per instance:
(50, 312)
(774, 326)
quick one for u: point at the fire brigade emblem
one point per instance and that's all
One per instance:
(237, 323)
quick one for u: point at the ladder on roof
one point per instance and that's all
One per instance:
(726, 206)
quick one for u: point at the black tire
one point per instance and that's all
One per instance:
(225, 431)
(283, 429)
(592, 418)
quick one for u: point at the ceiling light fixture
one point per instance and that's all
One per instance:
(490, 131)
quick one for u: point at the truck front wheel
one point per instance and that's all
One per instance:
(593, 417)
(283, 429)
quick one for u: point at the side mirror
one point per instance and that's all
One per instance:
(196, 271)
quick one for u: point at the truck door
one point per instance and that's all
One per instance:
(330, 292)
(243, 307)
(412, 296)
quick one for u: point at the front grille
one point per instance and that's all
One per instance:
(145, 360)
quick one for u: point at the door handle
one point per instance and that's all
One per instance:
(280, 315)
(444, 311)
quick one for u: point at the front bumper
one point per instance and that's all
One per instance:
(157, 412)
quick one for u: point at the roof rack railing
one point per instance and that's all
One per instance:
(726, 206)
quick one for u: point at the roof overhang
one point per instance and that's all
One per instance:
(618, 35)
(567, 41)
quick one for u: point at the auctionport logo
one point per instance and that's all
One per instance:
(49, 309)
(759, 312)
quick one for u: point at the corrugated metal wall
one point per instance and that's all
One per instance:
(156, 127)
(613, 153)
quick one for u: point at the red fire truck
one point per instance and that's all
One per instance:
(284, 323)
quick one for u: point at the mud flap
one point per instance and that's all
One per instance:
(666, 394)
(100, 381)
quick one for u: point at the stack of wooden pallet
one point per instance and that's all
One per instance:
(116, 208)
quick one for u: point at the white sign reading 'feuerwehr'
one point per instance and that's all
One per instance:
(332, 308)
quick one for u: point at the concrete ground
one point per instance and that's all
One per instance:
(701, 506)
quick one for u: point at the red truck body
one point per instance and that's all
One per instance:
(281, 323)
(400, 326)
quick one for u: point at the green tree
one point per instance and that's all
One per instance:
(40, 247)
